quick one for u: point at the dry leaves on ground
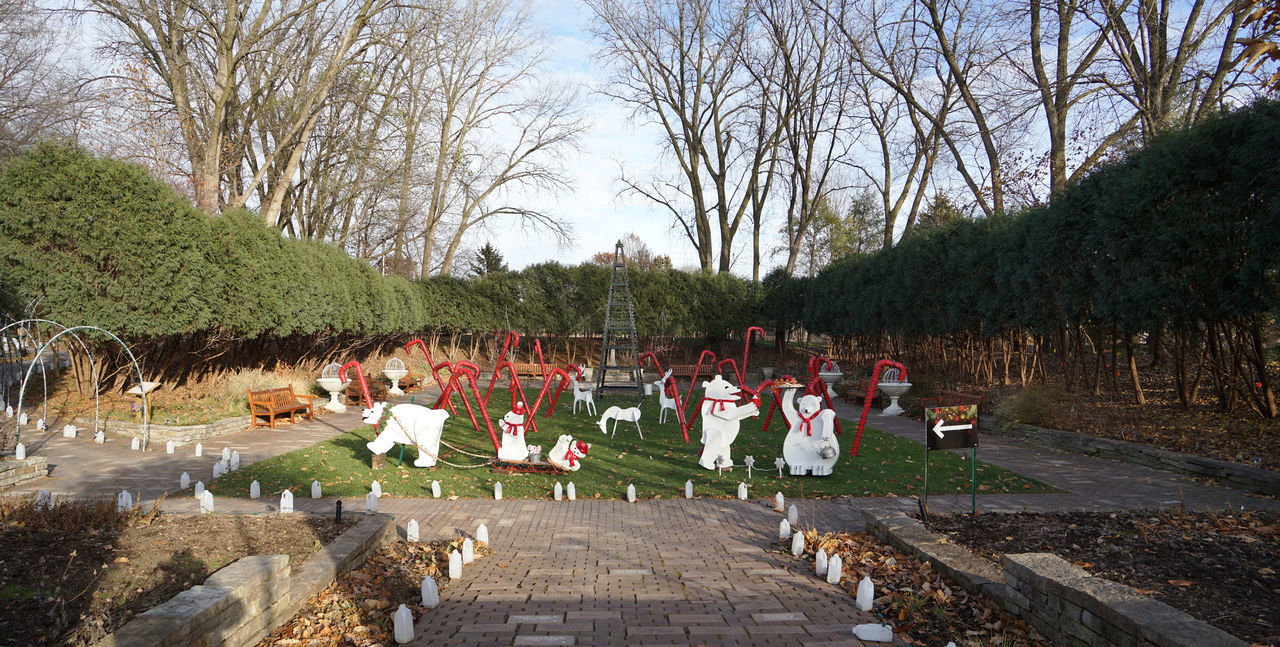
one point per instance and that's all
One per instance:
(923, 606)
(357, 608)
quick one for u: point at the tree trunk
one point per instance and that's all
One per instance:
(1133, 371)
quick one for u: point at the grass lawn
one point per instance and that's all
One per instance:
(658, 466)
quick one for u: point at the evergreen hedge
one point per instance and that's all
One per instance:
(98, 241)
(1179, 233)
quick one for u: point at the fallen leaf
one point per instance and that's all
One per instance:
(1181, 582)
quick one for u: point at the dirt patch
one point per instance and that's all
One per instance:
(74, 577)
(923, 606)
(357, 609)
(1220, 568)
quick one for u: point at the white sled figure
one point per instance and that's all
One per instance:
(567, 454)
(618, 413)
(664, 401)
(811, 446)
(586, 395)
(407, 424)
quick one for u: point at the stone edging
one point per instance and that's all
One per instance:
(179, 434)
(1064, 602)
(14, 472)
(244, 601)
(1235, 475)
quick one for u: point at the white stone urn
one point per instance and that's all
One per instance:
(394, 371)
(767, 372)
(894, 390)
(334, 386)
(831, 377)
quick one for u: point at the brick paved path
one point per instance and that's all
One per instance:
(79, 467)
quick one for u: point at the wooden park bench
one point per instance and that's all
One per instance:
(948, 398)
(273, 402)
(377, 391)
(410, 382)
(687, 371)
(862, 387)
(526, 369)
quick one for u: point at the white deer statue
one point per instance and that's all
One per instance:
(618, 413)
(663, 400)
(586, 396)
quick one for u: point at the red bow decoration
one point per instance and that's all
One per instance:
(808, 422)
(571, 458)
(722, 403)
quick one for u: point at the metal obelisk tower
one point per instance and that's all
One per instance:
(618, 352)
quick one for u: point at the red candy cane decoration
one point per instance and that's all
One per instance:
(364, 386)
(435, 368)
(866, 405)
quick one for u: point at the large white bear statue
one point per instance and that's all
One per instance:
(407, 424)
(811, 446)
(721, 417)
(567, 454)
(513, 433)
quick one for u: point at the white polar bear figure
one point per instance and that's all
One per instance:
(513, 431)
(811, 446)
(567, 454)
(721, 416)
(407, 424)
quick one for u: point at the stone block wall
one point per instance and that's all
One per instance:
(232, 606)
(1235, 475)
(161, 434)
(1071, 607)
(16, 472)
(244, 601)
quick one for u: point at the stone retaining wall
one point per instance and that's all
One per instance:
(1064, 602)
(244, 601)
(1235, 475)
(16, 472)
(161, 434)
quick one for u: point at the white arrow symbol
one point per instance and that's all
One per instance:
(939, 428)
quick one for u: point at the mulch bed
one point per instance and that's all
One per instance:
(72, 575)
(1220, 568)
(357, 609)
(923, 606)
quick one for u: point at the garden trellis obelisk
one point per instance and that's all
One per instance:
(618, 353)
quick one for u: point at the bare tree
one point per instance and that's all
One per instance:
(1174, 60)
(904, 135)
(681, 64)
(499, 131)
(206, 52)
(813, 76)
(1065, 81)
(41, 91)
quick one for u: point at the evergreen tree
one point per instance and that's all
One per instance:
(487, 260)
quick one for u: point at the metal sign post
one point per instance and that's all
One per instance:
(952, 428)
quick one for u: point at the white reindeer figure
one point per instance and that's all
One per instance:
(586, 395)
(664, 401)
(618, 413)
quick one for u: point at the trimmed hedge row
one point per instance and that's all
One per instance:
(98, 241)
(1180, 234)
